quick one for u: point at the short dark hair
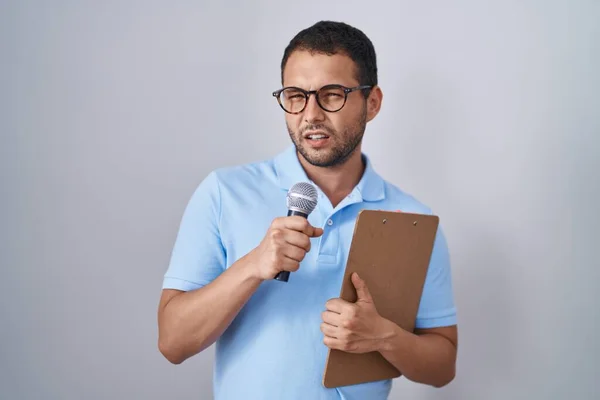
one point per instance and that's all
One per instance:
(330, 37)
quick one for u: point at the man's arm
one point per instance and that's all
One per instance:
(189, 322)
(428, 356)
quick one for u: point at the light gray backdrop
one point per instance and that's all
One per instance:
(112, 113)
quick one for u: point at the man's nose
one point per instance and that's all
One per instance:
(313, 112)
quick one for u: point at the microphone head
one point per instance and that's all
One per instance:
(302, 197)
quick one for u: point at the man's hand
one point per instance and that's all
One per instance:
(355, 327)
(284, 246)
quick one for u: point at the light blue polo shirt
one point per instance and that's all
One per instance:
(274, 350)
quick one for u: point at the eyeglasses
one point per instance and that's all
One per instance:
(331, 98)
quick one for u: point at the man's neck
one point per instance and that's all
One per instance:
(336, 182)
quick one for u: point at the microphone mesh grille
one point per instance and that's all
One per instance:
(302, 197)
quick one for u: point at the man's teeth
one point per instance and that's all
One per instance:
(316, 137)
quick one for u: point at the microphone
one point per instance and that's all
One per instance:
(301, 200)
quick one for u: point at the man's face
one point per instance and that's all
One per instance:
(324, 138)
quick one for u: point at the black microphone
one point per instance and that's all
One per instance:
(301, 200)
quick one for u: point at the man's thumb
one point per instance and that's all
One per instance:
(362, 291)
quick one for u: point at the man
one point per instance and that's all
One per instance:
(271, 336)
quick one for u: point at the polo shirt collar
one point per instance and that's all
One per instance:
(289, 171)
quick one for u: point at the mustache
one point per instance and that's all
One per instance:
(317, 127)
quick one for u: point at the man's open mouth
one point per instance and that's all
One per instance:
(316, 136)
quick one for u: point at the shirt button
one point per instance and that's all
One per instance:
(329, 222)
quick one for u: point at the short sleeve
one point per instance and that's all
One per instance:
(198, 255)
(437, 307)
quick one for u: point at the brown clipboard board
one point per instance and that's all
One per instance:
(391, 252)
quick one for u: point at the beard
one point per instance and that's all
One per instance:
(342, 146)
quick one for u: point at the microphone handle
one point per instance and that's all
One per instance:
(283, 276)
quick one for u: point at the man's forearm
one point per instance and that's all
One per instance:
(192, 321)
(427, 358)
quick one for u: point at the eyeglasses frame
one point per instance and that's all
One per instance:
(307, 93)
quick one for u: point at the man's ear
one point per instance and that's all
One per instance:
(374, 102)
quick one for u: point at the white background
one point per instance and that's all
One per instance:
(112, 113)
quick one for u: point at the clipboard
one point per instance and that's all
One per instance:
(391, 252)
